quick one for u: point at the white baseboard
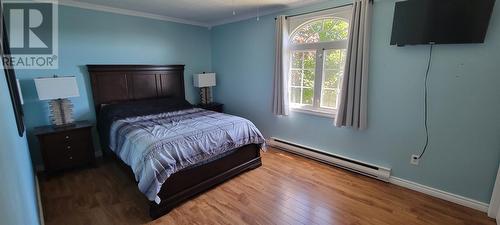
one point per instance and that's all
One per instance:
(39, 201)
(457, 199)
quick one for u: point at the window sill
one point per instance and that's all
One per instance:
(315, 112)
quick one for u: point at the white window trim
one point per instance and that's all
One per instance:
(320, 48)
(322, 112)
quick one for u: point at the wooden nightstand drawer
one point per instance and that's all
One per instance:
(66, 147)
(61, 156)
(68, 137)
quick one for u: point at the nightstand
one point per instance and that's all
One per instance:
(214, 106)
(66, 147)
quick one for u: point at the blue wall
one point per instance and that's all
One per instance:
(464, 149)
(93, 37)
(464, 105)
(18, 204)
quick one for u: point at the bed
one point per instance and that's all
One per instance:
(139, 107)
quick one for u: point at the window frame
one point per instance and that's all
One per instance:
(295, 23)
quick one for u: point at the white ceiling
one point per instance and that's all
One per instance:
(198, 12)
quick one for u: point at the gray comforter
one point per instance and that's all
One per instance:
(156, 146)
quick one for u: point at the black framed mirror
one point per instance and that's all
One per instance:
(10, 76)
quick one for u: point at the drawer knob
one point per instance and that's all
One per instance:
(68, 147)
(71, 157)
(67, 137)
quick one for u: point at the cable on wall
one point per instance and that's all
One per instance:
(426, 145)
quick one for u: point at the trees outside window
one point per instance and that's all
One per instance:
(318, 51)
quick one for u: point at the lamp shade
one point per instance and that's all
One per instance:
(204, 80)
(56, 88)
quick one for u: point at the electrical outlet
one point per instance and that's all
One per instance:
(414, 160)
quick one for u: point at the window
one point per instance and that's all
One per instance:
(318, 51)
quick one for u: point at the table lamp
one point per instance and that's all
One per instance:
(58, 90)
(205, 81)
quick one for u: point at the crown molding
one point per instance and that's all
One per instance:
(247, 16)
(137, 13)
(103, 8)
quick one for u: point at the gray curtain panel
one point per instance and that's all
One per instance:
(352, 108)
(280, 91)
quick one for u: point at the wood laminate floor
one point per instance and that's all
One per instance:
(287, 189)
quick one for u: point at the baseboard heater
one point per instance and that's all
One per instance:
(366, 169)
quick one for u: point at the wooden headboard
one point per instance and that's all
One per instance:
(118, 83)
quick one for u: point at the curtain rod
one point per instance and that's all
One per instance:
(335, 7)
(320, 10)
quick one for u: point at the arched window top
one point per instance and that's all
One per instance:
(321, 30)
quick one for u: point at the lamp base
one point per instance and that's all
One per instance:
(206, 95)
(61, 112)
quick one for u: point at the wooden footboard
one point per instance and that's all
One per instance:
(186, 184)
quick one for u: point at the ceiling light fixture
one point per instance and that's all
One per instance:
(258, 10)
(234, 9)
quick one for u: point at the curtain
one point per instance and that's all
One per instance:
(352, 108)
(280, 90)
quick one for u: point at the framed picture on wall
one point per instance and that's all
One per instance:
(10, 76)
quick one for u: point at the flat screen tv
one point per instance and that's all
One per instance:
(440, 21)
